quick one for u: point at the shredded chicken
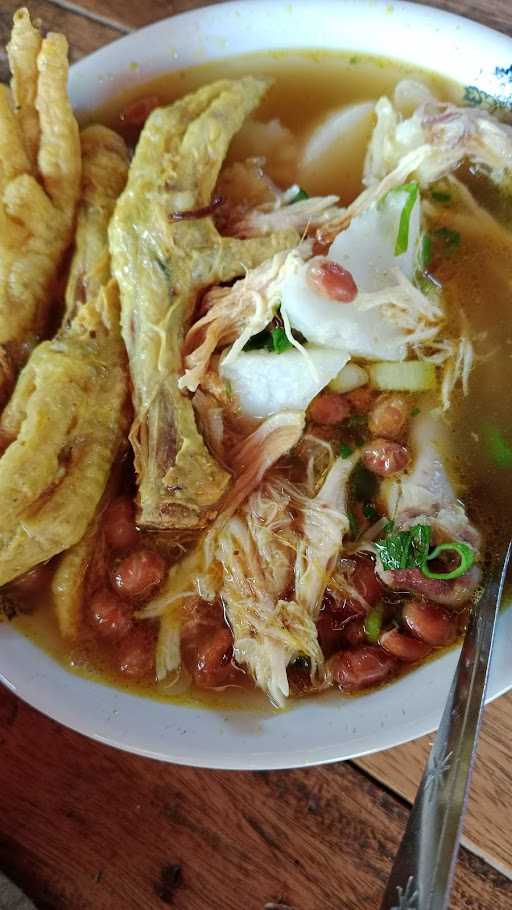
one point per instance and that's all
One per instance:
(325, 521)
(319, 457)
(250, 558)
(233, 316)
(275, 437)
(445, 133)
(198, 574)
(305, 215)
(261, 555)
(256, 550)
(430, 144)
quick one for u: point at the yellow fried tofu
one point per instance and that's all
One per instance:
(40, 171)
(165, 249)
(104, 172)
(67, 414)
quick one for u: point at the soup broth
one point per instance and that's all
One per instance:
(307, 87)
(476, 276)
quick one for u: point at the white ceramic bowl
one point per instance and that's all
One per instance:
(314, 731)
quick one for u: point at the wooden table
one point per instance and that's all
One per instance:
(84, 827)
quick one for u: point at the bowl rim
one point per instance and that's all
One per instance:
(460, 43)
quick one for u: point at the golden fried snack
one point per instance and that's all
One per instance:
(23, 51)
(105, 167)
(104, 172)
(69, 580)
(165, 249)
(40, 169)
(68, 415)
(79, 566)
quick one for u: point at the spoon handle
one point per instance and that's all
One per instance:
(424, 865)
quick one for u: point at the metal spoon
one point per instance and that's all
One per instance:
(424, 865)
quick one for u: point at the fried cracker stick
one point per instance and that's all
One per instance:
(23, 51)
(68, 416)
(69, 581)
(104, 172)
(40, 168)
(165, 249)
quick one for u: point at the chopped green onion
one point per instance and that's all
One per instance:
(406, 549)
(345, 450)
(280, 341)
(450, 238)
(369, 511)
(272, 339)
(498, 447)
(373, 624)
(467, 558)
(410, 550)
(354, 527)
(299, 197)
(439, 196)
(402, 237)
(426, 250)
(415, 412)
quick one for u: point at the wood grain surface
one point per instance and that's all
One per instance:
(487, 832)
(132, 15)
(84, 34)
(83, 826)
(494, 13)
(87, 827)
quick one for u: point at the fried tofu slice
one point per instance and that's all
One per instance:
(165, 250)
(104, 172)
(68, 416)
(40, 171)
